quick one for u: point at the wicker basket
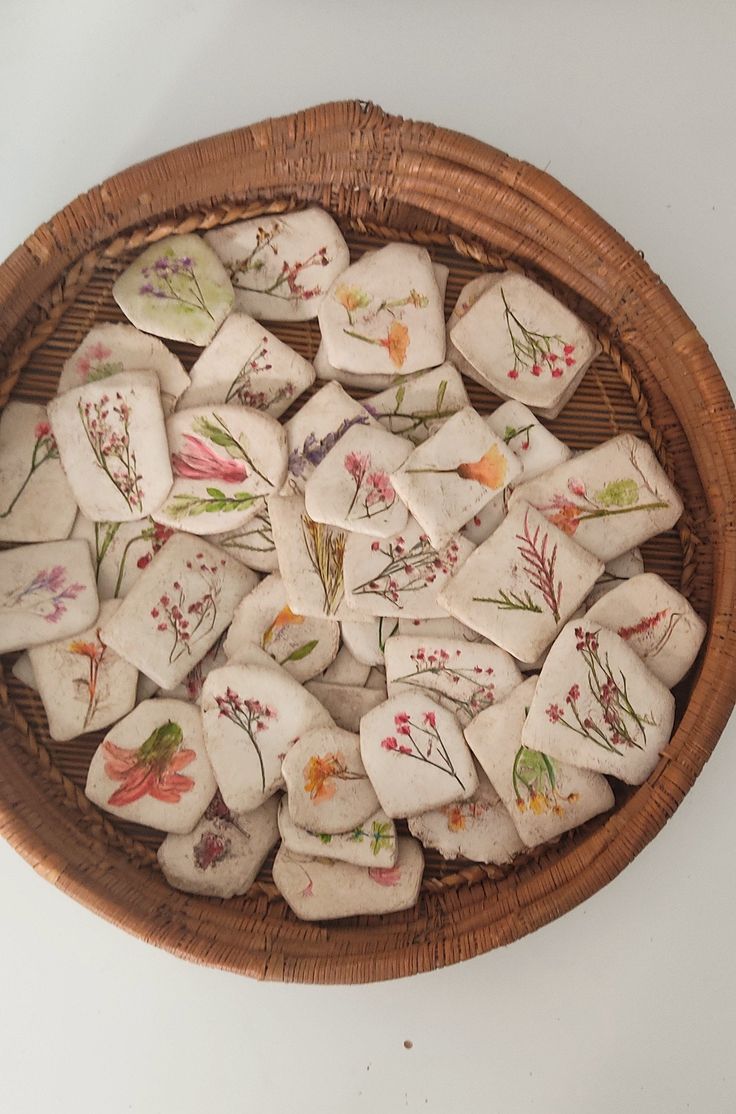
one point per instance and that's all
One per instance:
(383, 178)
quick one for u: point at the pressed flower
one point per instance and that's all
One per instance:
(285, 618)
(152, 769)
(397, 343)
(385, 875)
(197, 461)
(320, 773)
(490, 470)
(352, 298)
(456, 818)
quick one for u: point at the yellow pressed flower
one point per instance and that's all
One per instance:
(490, 470)
(352, 298)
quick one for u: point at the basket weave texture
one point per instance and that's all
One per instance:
(475, 208)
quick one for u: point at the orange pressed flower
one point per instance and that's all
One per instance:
(352, 298)
(397, 343)
(91, 650)
(320, 772)
(455, 818)
(286, 617)
(490, 470)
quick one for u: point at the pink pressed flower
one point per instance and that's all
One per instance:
(554, 713)
(513, 374)
(98, 351)
(356, 465)
(401, 717)
(385, 875)
(568, 349)
(536, 369)
(405, 750)
(576, 487)
(380, 489)
(573, 694)
(375, 546)
(389, 743)
(43, 429)
(556, 372)
(430, 718)
(404, 729)
(197, 461)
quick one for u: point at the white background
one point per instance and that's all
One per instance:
(627, 1003)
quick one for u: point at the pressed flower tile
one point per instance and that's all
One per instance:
(36, 501)
(415, 406)
(110, 348)
(597, 705)
(544, 796)
(281, 267)
(225, 460)
(112, 443)
(47, 591)
(315, 430)
(351, 488)
(327, 786)
(372, 843)
(656, 621)
(246, 365)
(252, 544)
(415, 755)
(152, 767)
(454, 474)
(223, 854)
(609, 499)
(521, 585)
(120, 551)
(316, 889)
(479, 829)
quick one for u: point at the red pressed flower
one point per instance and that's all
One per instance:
(404, 729)
(389, 743)
(144, 560)
(554, 713)
(513, 374)
(476, 519)
(405, 750)
(375, 546)
(556, 372)
(430, 718)
(401, 717)
(536, 369)
(155, 613)
(573, 694)
(568, 349)
(152, 769)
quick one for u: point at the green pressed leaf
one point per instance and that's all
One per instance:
(216, 493)
(441, 394)
(618, 493)
(400, 396)
(302, 651)
(325, 838)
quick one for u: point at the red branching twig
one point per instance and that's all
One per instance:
(540, 567)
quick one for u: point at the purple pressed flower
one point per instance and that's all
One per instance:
(147, 287)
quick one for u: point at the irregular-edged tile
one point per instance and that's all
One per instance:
(366, 641)
(479, 829)
(177, 289)
(120, 551)
(610, 499)
(454, 473)
(318, 889)
(520, 586)
(346, 670)
(221, 857)
(597, 705)
(47, 591)
(316, 428)
(178, 608)
(252, 715)
(401, 575)
(36, 504)
(385, 314)
(656, 621)
(365, 380)
(524, 344)
(414, 406)
(224, 460)
(377, 681)
(327, 786)
(112, 443)
(372, 843)
(464, 677)
(83, 683)
(544, 795)
(281, 266)
(110, 348)
(415, 755)
(469, 295)
(617, 571)
(351, 488)
(347, 704)
(22, 670)
(152, 767)
(245, 365)
(304, 645)
(252, 544)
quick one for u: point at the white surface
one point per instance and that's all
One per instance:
(627, 1003)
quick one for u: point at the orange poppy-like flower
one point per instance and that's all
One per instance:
(320, 772)
(397, 343)
(285, 618)
(352, 298)
(565, 516)
(490, 470)
(152, 769)
(455, 818)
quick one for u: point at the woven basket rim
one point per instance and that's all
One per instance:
(432, 161)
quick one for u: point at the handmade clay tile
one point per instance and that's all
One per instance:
(251, 716)
(318, 889)
(252, 544)
(178, 608)
(415, 406)
(479, 829)
(112, 444)
(177, 289)
(454, 473)
(656, 621)
(282, 266)
(346, 670)
(225, 460)
(191, 687)
(522, 343)
(597, 705)
(47, 591)
(84, 684)
(347, 704)
(464, 677)
(22, 670)
(609, 499)
(152, 767)
(327, 786)
(519, 587)
(415, 755)
(371, 844)
(385, 314)
(303, 645)
(366, 641)
(109, 349)
(351, 488)
(246, 365)
(221, 857)
(36, 501)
